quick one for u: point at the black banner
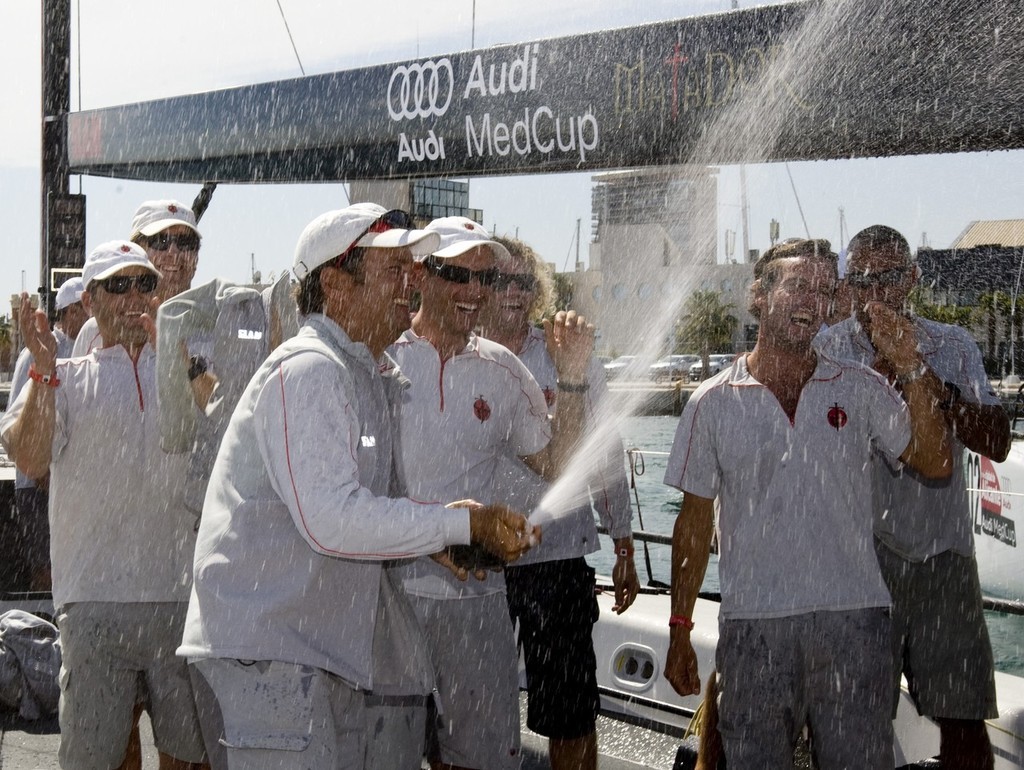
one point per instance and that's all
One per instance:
(795, 81)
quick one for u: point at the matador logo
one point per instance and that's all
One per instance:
(482, 409)
(549, 396)
(837, 416)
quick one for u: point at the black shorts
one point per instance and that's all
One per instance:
(556, 608)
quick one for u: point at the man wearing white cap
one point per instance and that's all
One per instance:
(167, 230)
(472, 401)
(293, 620)
(26, 564)
(121, 538)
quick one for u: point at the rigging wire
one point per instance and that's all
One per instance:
(637, 466)
(290, 38)
(798, 206)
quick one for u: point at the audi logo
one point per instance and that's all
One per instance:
(415, 91)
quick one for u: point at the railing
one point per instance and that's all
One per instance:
(637, 467)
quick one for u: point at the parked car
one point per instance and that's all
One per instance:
(622, 367)
(716, 363)
(672, 367)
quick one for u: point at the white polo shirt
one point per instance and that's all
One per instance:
(914, 517)
(453, 423)
(795, 521)
(119, 530)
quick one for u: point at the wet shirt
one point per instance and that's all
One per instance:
(297, 520)
(795, 519)
(455, 422)
(600, 478)
(916, 517)
(119, 530)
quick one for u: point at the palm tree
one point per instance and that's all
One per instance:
(707, 326)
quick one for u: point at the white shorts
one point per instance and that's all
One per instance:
(473, 651)
(111, 653)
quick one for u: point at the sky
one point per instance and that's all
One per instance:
(124, 51)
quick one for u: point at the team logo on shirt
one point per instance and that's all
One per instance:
(482, 409)
(837, 416)
(549, 396)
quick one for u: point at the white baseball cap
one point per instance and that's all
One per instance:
(460, 234)
(69, 292)
(155, 216)
(332, 234)
(113, 257)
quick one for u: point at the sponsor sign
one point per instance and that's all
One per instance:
(653, 94)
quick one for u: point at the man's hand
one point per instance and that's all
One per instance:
(499, 529)
(39, 339)
(895, 339)
(570, 343)
(624, 579)
(681, 663)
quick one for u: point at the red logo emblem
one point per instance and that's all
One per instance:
(837, 416)
(126, 249)
(173, 209)
(549, 396)
(482, 409)
(469, 226)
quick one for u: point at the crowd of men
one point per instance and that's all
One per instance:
(283, 549)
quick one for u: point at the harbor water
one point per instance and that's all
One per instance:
(659, 504)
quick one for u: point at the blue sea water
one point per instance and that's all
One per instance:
(659, 504)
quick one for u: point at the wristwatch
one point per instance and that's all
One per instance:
(196, 365)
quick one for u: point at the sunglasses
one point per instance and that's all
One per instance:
(396, 219)
(122, 284)
(524, 281)
(883, 278)
(184, 241)
(463, 275)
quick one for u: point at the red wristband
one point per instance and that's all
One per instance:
(45, 379)
(680, 620)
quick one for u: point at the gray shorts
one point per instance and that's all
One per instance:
(828, 670)
(940, 640)
(473, 650)
(268, 715)
(111, 654)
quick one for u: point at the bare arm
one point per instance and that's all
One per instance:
(691, 541)
(570, 342)
(30, 439)
(983, 428)
(930, 449)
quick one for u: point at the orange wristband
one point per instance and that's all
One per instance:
(45, 379)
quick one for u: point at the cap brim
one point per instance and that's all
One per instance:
(162, 224)
(118, 268)
(420, 242)
(460, 248)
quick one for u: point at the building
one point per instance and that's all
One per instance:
(653, 243)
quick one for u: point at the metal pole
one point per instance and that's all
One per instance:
(56, 93)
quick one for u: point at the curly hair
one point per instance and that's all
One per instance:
(544, 299)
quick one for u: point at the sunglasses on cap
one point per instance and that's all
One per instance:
(184, 241)
(525, 281)
(122, 284)
(891, 277)
(396, 219)
(463, 275)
